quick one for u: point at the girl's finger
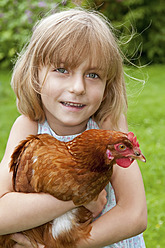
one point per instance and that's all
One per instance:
(21, 246)
(23, 241)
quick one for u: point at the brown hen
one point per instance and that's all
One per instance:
(77, 170)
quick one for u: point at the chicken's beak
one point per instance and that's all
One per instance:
(139, 156)
(142, 158)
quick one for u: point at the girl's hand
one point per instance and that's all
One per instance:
(23, 241)
(96, 206)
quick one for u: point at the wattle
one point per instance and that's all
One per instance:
(124, 162)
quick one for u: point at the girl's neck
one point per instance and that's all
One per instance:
(65, 130)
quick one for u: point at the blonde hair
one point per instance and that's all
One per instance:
(72, 36)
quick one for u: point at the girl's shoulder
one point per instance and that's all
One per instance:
(25, 125)
(122, 123)
(21, 128)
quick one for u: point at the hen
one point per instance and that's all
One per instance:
(77, 170)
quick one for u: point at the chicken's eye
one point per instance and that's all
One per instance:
(122, 147)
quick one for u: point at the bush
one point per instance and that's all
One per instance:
(17, 18)
(144, 21)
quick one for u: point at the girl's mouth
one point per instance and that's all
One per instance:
(73, 105)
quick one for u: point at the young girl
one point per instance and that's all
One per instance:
(69, 79)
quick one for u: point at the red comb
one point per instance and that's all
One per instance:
(133, 139)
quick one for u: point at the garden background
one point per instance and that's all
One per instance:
(140, 29)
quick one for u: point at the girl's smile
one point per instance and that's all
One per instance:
(72, 106)
(71, 96)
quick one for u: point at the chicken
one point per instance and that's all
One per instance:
(77, 170)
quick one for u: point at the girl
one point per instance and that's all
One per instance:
(69, 79)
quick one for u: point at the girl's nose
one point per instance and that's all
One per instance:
(77, 85)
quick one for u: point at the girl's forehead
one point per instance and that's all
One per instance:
(90, 58)
(85, 66)
(85, 62)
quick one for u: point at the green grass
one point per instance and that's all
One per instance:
(146, 117)
(8, 111)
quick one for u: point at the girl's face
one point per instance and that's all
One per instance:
(71, 96)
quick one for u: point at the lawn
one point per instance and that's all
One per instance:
(8, 111)
(146, 117)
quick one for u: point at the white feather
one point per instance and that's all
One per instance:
(63, 223)
(34, 159)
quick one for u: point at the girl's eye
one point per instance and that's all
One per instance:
(61, 70)
(92, 75)
(122, 147)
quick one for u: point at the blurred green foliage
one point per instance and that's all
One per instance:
(17, 19)
(142, 24)
(139, 25)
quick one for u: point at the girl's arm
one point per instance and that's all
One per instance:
(129, 217)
